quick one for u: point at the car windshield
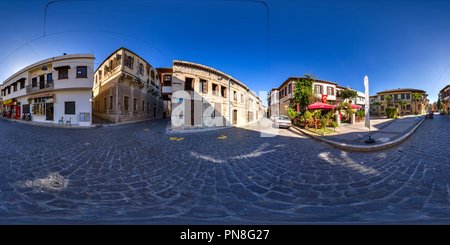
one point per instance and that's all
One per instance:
(283, 118)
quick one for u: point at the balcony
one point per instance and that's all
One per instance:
(40, 87)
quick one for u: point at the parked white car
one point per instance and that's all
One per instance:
(283, 121)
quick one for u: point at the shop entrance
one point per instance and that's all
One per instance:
(49, 111)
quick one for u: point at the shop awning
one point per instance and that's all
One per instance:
(61, 67)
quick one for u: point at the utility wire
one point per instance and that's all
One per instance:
(440, 78)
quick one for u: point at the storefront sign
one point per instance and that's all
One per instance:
(48, 100)
(42, 95)
(7, 101)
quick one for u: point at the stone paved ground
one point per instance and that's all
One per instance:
(138, 174)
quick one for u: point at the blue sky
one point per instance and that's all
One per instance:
(397, 44)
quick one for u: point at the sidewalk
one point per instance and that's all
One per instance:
(386, 132)
(96, 123)
(49, 124)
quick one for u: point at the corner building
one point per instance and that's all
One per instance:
(126, 88)
(53, 90)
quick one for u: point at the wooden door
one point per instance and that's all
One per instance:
(234, 117)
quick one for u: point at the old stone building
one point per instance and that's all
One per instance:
(205, 97)
(126, 88)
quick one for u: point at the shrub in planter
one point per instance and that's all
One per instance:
(391, 112)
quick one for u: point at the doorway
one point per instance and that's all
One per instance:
(49, 111)
(234, 117)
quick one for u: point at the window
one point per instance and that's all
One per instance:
(134, 104)
(235, 95)
(50, 78)
(26, 108)
(223, 91)
(15, 87)
(330, 91)
(125, 103)
(188, 85)
(408, 96)
(34, 82)
(408, 107)
(143, 105)
(382, 97)
(69, 108)
(148, 106)
(403, 96)
(215, 88)
(129, 61)
(99, 75)
(318, 89)
(203, 86)
(63, 73)
(22, 84)
(110, 102)
(395, 96)
(141, 69)
(167, 80)
(289, 88)
(81, 71)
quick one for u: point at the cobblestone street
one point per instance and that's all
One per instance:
(137, 173)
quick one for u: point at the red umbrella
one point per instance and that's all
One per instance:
(319, 105)
(355, 106)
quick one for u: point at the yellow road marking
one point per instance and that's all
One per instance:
(154, 123)
(222, 137)
(146, 129)
(249, 127)
(175, 138)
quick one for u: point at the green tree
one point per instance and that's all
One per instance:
(377, 104)
(388, 98)
(347, 94)
(402, 104)
(415, 97)
(303, 92)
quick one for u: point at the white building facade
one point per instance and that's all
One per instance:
(54, 90)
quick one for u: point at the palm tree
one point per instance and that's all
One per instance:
(388, 99)
(416, 97)
(402, 104)
(377, 104)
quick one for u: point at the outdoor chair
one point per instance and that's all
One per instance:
(69, 121)
(61, 121)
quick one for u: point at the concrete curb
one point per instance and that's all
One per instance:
(361, 147)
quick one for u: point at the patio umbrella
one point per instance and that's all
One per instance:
(355, 106)
(319, 105)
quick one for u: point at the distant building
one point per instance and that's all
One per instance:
(412, 106)
(445, 98)
(321, 89)
(53, 90)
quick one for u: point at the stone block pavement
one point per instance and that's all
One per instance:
(139, 174)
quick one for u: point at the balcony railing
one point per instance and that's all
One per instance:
(41, 86)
